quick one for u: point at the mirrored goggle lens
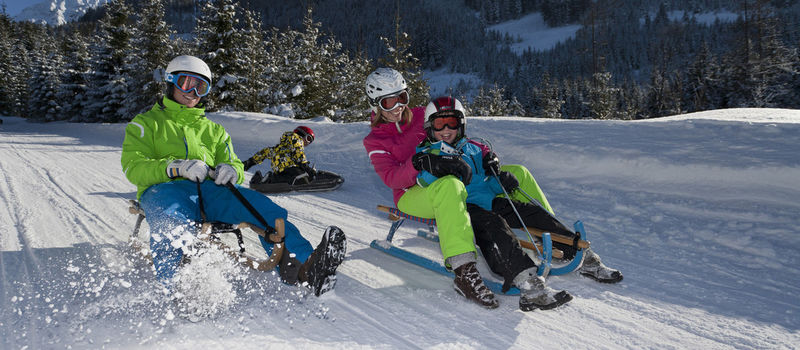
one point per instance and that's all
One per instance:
(308, 138)
(449, 121)
(187, 83)
(389, 103)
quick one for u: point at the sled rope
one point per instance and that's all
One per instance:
(538, 251)
(576, 242)
(210, 231)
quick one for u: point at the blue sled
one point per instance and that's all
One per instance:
(398, 217)
(388, 248)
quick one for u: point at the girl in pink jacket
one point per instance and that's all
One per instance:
(391, 144)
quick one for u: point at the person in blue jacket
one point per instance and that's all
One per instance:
(491, 214)
(174, 154)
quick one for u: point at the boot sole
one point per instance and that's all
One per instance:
(561, 297)
(332, 259)
(612, 280)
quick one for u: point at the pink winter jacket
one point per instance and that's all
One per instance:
(390, 151)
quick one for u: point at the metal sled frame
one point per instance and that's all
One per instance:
(210, 231)
(545, 266)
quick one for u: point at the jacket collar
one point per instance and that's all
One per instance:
(179, 112)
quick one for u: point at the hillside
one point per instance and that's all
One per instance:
(699, 212)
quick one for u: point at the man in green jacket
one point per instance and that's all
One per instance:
(172, 147)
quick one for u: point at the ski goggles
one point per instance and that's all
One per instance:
(390, 102)
(308, 138)
(450, 121)
(187, 82)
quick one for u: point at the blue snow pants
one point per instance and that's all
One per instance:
(172, 210)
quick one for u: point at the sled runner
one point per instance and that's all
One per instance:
(547, 252)
(210, 233)
(323, 181)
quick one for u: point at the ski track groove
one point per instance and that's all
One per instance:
(374, 323)
(29, 263)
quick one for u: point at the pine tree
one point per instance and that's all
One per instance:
(602, 96)
(312, 89)
(773, 66)
(314, 76)
(547, 98)
(45, 82)
(700, 82)
(219, 40)
(254, 84)
(155, 50)
(351, 100)
(74, 80)
(14, 60)
(400, 58)
(6, 65)
(492, 102)
(663, 99)
(111, 83)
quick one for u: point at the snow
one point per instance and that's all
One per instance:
(698, 211)
(534, 34)
(53, 12)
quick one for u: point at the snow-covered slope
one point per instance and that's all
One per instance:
(700, 212)
(56, 12)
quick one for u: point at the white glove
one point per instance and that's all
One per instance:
(225, 174)
(192, 169)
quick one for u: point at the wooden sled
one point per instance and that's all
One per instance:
(210, 233)
(546, 250)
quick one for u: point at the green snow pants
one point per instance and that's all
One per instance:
(528, 184)
(445, 201)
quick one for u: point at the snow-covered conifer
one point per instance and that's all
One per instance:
(110, 97)
(74, 78)
(155, 49)
(45, 81)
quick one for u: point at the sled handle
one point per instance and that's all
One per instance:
(580, 244)
(278, 247)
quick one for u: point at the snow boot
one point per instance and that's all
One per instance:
(535, 294)
(468, 282)
(318, 273)
(289, 268)
(594, 268)
(259, 178)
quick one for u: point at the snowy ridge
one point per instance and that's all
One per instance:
(699, 211)
(57, 12)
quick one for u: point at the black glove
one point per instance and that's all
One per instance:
(312, 173)
(491, 165)
(249, 163)
(508, 181)
(443, 165)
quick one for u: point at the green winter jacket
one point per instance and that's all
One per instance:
(172, 131)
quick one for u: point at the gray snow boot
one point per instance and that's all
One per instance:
(535, 294)
(468, 282)
(594, 268)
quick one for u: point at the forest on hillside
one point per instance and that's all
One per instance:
(630, 59)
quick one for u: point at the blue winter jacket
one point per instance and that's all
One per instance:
(483, 187)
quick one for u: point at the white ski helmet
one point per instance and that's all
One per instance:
(445, 106)
(190, 64)
(382, 82)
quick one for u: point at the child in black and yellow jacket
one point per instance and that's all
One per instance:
(288, 159)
